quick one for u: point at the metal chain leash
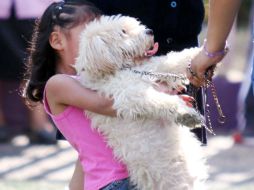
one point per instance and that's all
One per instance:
(160, 76)
(222, 117)
(193, 93)
(209, 84)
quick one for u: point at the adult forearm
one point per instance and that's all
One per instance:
(222, 14)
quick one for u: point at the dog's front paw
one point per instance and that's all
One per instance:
(189, 117)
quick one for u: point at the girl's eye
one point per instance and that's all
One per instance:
(124, 31)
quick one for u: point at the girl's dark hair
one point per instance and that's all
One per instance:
(41, 62)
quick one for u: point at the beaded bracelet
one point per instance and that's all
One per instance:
(217, 53)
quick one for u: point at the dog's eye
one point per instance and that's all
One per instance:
(123, 31)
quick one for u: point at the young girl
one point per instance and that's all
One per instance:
(51, 79)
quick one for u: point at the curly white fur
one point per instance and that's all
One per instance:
(159, 152)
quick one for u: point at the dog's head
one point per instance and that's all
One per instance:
(111, 43)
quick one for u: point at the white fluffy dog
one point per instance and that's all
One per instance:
(148, 134)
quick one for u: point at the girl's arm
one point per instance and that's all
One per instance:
(63, 91)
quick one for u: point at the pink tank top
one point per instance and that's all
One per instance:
(99, 164)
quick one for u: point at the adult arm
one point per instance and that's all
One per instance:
(222, 14)
(221, 18)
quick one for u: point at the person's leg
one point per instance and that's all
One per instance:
(252, 47)
(2, 118)
(252, 76)
(77, 180)
(246, 88)
(4, 131)
(42, 130)
(199, 97)
(241, 99)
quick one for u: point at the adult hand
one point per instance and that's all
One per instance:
(200, 65)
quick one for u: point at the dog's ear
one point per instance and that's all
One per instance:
(97, 55)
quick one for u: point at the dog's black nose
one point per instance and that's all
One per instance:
(149, 31)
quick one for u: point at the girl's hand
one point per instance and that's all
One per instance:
(189, 100)
(163, 87)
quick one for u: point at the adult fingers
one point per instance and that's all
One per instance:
(195, 80)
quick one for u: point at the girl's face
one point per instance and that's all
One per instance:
(72, 43)
(66, 44)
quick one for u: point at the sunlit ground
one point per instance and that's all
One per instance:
(25, 167)
(231, 166)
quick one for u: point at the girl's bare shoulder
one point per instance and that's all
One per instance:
(61, 83)
(60, 80)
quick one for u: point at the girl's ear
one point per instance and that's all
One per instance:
(56, 40)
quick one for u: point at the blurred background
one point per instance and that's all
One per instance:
(31, 158)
